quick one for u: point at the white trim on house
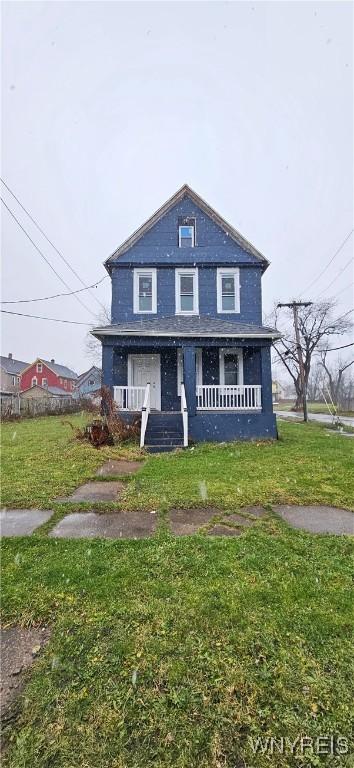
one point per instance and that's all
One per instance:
(34, 381)
(227, 272)
(39, 368)
(141, 272)
(198, 368)
(178, 274)
(227, 350)
(155, 386)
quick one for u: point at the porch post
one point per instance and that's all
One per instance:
(107, 365)
(189, 377)
(266, 380)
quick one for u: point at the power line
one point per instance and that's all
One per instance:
(329, 263)
(48, 239)
(337, 275)
(44, 257)
(334, 349)
(56, 295)
(39, 317)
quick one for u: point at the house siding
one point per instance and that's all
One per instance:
(250, 294)
(52, 379)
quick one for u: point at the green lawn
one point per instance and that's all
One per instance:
(312, 408)
(173, 653)
(42, 460)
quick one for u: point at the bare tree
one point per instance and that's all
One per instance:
(335, 376)
(315, 383)
(93, 346)
(317, 324)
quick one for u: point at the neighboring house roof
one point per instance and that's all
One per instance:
(83, 376)
(56, 391)
(183, 326)
(183, 192)
(60, 370)
(11, 366)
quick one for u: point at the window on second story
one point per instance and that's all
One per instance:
(34, 381)
(65, 384)
(187, 292)
(228, 290)
(145, 294)
(14, 381)
(186, 233)
(44, 382)
(39, 367)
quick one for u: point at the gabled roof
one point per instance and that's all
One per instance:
(52, 390)
(60, 370)
(192, 326)
(11, 366)
(183, 192)
(82, 376)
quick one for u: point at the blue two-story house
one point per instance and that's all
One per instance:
(186, 346)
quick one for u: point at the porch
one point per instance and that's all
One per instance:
(190, 392)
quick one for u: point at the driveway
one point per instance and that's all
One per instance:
(325, 418)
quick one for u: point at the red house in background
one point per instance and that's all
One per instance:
(48, 374)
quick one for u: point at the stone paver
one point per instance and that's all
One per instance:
(99, 491)
(115, 525)
(223, 530)
(318, 519)
(237, 520)
(22, 522)
(19, 648)
(118, 467)
(184, 522)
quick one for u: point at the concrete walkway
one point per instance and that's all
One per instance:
(318, 519)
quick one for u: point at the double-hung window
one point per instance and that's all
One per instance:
(186, 233)
(145, 294)
(39, 367)
(187, 291)
(228, 290)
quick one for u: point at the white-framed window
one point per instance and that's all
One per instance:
(228, 290)
(39, 367)
(231, 366)
(44, 382)
(186, 235)
(65, 384)
(145, 291)
(187, 300)
(14, 381)
(198, 368)
(34, 381)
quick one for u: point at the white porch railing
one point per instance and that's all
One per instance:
(145, 415)
(243, 397)
(184, 410)
(129, 398)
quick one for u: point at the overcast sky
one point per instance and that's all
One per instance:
(108, 108)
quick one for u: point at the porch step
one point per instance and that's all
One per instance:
(164, 432)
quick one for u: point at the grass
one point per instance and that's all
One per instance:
(175, 653)
(312, 408)
(41, 460)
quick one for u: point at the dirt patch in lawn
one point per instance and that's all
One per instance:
(184, 522)
(19, 649)
(223, 530)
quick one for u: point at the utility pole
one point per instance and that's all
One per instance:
(294, 305)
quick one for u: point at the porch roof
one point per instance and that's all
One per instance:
(185, 326)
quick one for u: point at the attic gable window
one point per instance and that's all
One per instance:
(186, 233)
(145, 296)
(39, 367)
